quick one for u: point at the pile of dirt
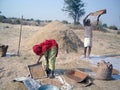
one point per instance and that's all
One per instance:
(66, 38)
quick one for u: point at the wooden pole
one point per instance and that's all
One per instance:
(18, 52)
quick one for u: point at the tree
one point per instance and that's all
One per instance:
(38, 21)
(105, 25)
(75, 9)
(2, 18)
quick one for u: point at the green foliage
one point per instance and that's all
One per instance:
(11, 20)
(14, 20)
(38, 21)
(75, 9)
(2, 18)
(65, 22)
(100, 26)
(113, 27)
(105, 25)
(17, 21)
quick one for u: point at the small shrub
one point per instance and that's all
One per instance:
(113, 27)
(65, 22)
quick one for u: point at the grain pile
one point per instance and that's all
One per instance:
(65, 37)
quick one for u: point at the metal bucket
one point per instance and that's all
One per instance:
(48, 87)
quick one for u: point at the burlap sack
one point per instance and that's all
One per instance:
(3, 50)
(104, 71)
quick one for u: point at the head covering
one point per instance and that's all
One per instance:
(37, 49)
(44, 46)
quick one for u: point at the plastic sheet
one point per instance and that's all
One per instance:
(30, 83)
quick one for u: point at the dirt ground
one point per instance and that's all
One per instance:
(13, 66)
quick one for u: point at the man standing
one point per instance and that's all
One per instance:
(88, 31)
(87, 35)
(48, 48)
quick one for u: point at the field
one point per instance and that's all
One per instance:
(13, 66)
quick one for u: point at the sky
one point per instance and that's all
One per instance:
(52, 10)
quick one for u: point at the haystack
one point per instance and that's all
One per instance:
(67, 40)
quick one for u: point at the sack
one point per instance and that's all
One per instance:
(104, 71)
(3, 50)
